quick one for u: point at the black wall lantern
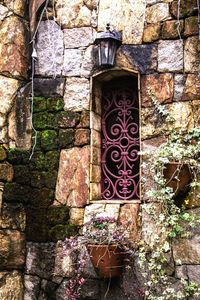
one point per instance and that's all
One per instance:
(107, 42)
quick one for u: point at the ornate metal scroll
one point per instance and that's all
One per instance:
(120, 145)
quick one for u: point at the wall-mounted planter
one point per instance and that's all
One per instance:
(107, 260)
(177, 176)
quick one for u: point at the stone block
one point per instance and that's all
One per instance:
(73, 14)
(78, 37)
(95, 120)
(95, 138)
(4, 135)
(95, 173)
(48, 87)
(32, 287)
(82, 137)
(76, 216)
(170, 56)
(191, 55)
(196, 112)
(72, 62)
(179, 83)
(12, 250)
(93, 210)
(158, 86)
(57, 215)
(14, 50)
(73, 177)
(8, 89)
(4, 12)
(77, 93)
(3, 154)
(44, 120)
(130, 213)
(151, 32)
(181, 272)
(49, 49)
(157, 13)
(192, 87)
(13, 217)
(124, 16)
(187, 8)
(39, 104)
(191, 26)
(55, 104)
(95, 191)
(85, 119)
(95, 156)
(87, 64)
(171, 30)
(193, 273)
(40, 259)
(12, 286)
(90, 289)
(67, 119)
(6, 172)
(142, 58)
(48, 290)
(66, 137)
(49, 140)
(18, 6)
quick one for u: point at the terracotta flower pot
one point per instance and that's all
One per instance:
(178, 176)
(106, 259)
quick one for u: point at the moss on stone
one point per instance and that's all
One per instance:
(58, 215)
(44, 120)
(16, 156)
(60, 232)
(66, 137)
(38, 161)
(52, 160)
(55, 104)
(39, 104)
(49, 140)
(50, 179)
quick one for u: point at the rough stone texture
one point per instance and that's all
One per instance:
(72, 62)
(187, 250)
(192, 87)
(95, 138)
(142, 57)
(196, 112)
(12, 250)
(124, 16)
(193, 273)
(170, 29)
(151, 32)
(157, 13)
(187, 8)
(3, 154)
(17, 6)
(13, 217)
(150, 2)
(73, 14)
(87, 64)
(32, 287)
(14, 49)
(76, 95)
(109, 210)
(76, 216)
(129, 212)
(12, 287)
(40, 259)
(88, 269)
(48, 87)
(78, 37)
(170, 56)
(19, 128)
(73, 177)
(4, 12)
(179, 83)
(191, 26)
(95, 173)
(82, 137)
(159, 86)
(8, 89)
(3, 135)
(191, 55)
(49, 49)
(6, 172)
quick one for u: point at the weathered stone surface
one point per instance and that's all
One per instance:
(193, 273)
(191, 26)
(171, 29)
(3, 154)
(6, 172)
(93, 210)
(49, 140)
(73, 177)
(48, 87)
(95, 173)
(13, 217)
(3, 135)
(72, 62)
(88, 269)
(49, 49)
(170, 56)
(157, 13)
(181, 272)
(192, 87)
(17, 6)
(191, 55)
(48, 290)
(76, 216)
(8, 89)
(95, 138)
(151, 32)
(12, 252)
(82, 137)
(158, 86)
(90, 289)
(186, 250)
(32, 287)
(66, 137)
(179, 83)
(95, 121)
(124, 16)
(76, 95)
(95, 156)
(14, 49)
(40, 259)
(78, 37)
(2, 120)
(87, 64)
(142, 57)
(187, 8)
(130, 213)
(150, 2)
(95, 191)
(68, 119)
(19, 122)
(73, 14)
(196, 113)
(4, 12)
(85, 119)
(12, 286)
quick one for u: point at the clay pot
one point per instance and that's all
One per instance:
(178, 176)
(106, 259)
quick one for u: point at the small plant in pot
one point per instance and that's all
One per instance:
(107, 244)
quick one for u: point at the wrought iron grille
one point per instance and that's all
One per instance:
(120, 144)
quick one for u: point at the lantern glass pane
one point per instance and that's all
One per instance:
(104, 53)
(112, 52)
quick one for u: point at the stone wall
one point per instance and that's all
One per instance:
(48, 197)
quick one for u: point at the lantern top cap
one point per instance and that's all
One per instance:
(109, 35)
